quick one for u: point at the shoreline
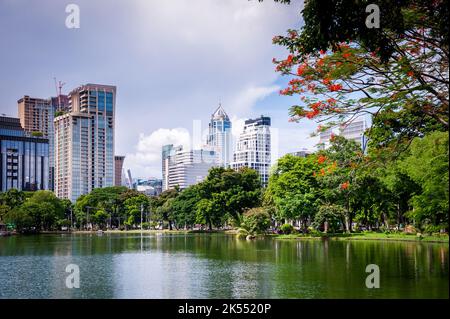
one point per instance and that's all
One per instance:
(401, 237)
(370, 236)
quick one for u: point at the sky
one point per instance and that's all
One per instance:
(172, 61)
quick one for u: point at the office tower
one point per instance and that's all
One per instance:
(353, 130)
(219, 136)
(84, 142)
(118, 168)
(24, 158)
(253, 147)
(185, 168)
(167, 150)
(36, 117)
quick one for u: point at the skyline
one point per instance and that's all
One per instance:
(165, 79)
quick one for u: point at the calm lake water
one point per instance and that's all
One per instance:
(218, 266)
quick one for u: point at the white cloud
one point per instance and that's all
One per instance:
(146, 161)
(247, 98)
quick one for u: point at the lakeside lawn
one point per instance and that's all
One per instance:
(441, 238)
(437, 238)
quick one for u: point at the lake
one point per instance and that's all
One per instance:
(217, 266)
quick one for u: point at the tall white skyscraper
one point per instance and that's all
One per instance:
(219, 136)
(84, 142)
(253, 148)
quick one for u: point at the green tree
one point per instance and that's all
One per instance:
(427, 165)
(134, 206)
(397, 73)
(184, 206)
(256, 221)
(232, 192)
(293, 189)
(210, 212)
(40, 212)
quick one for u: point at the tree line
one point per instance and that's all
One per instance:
(340, 189)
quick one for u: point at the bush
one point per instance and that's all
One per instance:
(313, 232)
(145, 225)
(287, 229)
(432, 229)
(255, 221)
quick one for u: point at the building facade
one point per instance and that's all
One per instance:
(118, 170)
(185, 168)
(353, 130)
(24, 159)
(219, 136)
(84, 142)
(36, 117)
(253, 148)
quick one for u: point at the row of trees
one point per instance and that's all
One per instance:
(218, 201)
(341, 186)
(340, 69)
(34, 211)
(330, 190)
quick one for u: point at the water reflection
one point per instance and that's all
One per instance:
(217, 266)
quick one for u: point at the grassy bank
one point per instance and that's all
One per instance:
(371, 236)
(436, 238)
(149, 231)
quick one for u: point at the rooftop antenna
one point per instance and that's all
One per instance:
(58, 87)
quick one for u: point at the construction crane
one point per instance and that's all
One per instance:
(58, 87)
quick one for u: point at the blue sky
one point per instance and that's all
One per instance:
(172, 62)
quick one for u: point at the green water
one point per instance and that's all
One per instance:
(217, 266)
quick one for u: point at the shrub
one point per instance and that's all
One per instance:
(432, 229)
(287, 229)
(255, 221)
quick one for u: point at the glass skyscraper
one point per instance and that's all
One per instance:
(24, 159)
(219, 136)
(84, 142)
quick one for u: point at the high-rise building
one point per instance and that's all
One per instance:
(24, 159)
(167, 152)
(185, 168)
(219, 136)
(84, 142)
(254, 148)
(118, 169)
(36, 117)
(353, 130)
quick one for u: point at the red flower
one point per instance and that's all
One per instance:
(301, 69)
(321, 159)
(345, 185)
(312, 114)
(335, 87)
(331, 101)
(410, 73)
(290, 58)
